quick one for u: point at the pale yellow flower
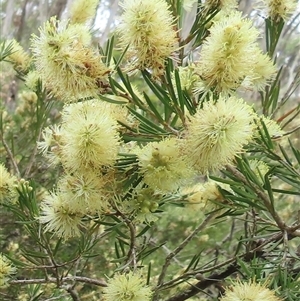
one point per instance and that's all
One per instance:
(58, 217)
(200, 194)
(262, 72)
(6, 270)
(89, 136)
(31, 80)
(188, 78)
(217, 133)
(68, 66)
(273, 128)
(260, 168)
(127, 287)
(251, 291)
(84, 192)
(229, 53)
(163, 166)
(279, 9)
(50, 144)
(7, 185)
(82, 11)
(19, 58)
(147, 27)
(28, 97)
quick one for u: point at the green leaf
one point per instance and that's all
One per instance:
(6, 50)
(143, 231)
(153, 109)
(145, 253)
(148, 125)
(107, 99)
(194, 262)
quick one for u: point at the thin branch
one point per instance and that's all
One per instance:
(203, 284)
(131, 255)
(54, 280)
(167, 251)
(247, 255)
(182, 246)
(264, 197)
(232, 268)
(73, 293)
(292, 87)
(11, 156)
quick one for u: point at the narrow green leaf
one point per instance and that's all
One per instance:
(153, 109)
(269, 189)
(143, 231)
(151, 125)
(109, 50)
(107, 99)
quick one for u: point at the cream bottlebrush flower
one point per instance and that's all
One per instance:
(6, 270)
(163, 166)
(227, 55)
(280, 9)
(65, 61)
(85, 192)
(58, 217)
(201, 193)
(89, 136)
(50, 145)
(217, 133)
(272, 126)
(127, 287)
(19, 57)
(31, 80)
(147, 27)
(188, 78)
(7, 186)
(260, 168)
(82, 11)
(249, 291)
(263, 70)
(28, 97)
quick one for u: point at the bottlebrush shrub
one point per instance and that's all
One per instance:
(164, 166)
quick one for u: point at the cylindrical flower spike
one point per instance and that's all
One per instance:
(279, 9)
(6, 270)
(58, 217)
(241, 291)
(127, 287)
(147, 27)
(89, 137)
(163, 166)
(230, 54)
(82, 11)
(8, 191)
(218, 132)
(68, 67)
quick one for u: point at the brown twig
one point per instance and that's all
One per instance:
(101, 283)
(183, 244)
(11, 156)
(233, 267)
